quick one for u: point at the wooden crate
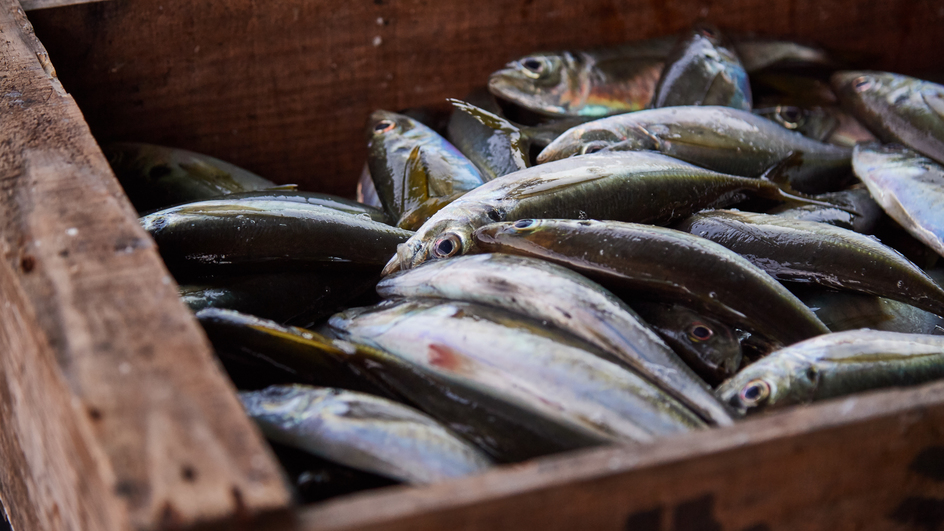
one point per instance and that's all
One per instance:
(113, 412)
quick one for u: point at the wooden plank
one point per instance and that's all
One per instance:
(114, 412)
(872, 461)
(32, 5)
(284, 88)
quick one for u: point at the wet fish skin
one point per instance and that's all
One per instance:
(703, 69)
(364, 432)
(524, 364)
(259, 351)
(157, 177)
(809, 252)
(896, 108)
(709, 346)
(718, 138)
(908, 186)
(761, 53)
(495, 145)
(414, 167)
(563, 299)
(310, 198)
(637, 186)
(834, 365)
(662, 262)
(855, 210)
(267, 236)
(844, 310)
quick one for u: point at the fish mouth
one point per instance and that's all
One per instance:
(392, 266)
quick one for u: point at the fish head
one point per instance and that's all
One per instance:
(442, 237)
(282, 403)
(543, 83)
(712, 343)
(524, 236)
(390, 131)
(594, 137)
(876, 94)
(763, 385)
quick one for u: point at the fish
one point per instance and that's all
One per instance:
(492, 143)
(896, 108)
(664, 263)
(816, 123)
(311, 198)
(792, 250)
(638, 186)
(618, 79)
(522, 363)
(709, 346)
(296, 298)
(563, 299)
(155, 177)
(415, 170)
(908, 186)
(834, 365)
(845, 310)
(267, 236)
(259, 352)
(854, 210)
(703, 69)
(364, 432)
(591, 83)
(717, 138)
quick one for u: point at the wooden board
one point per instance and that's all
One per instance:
(284, 88)
(114, 413)
(872, 461)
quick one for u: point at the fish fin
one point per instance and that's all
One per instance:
(538, 186)
(415, 178)
(778, 175)
(935, 101)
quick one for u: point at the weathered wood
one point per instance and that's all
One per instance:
(31, 5)
(284, 88)
(867, 462)
(114, 413)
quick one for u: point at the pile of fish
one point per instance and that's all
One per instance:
(605, 246)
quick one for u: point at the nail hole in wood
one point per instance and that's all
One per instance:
(95, 414)
(27, 263)
(188, 473)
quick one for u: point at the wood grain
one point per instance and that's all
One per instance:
(114, 412)
(873, 461)
(284, 88)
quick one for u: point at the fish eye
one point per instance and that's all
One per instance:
(533, 66)
(592, 147)
(790, 117)
(699, 332)
(384, 126)
(754, 393)
(706, 31)
(524, 223)
(447, 245)
(861, 84)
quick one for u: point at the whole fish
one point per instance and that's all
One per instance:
(492, 143)
(703, 69)
(843, 310)
(854, 210)
(364, 432)
(267, 236)
(310, 198)
(522, 363)
(896, 108)
(258, 351)
(809, 252)
(710, 347)
(156, 177)
(414, 169)
(618, 79)
(909, 188)
(664, 263)
(835, 365)
(555, 295)
(718, 138)
(636, 186)
(297, 298)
